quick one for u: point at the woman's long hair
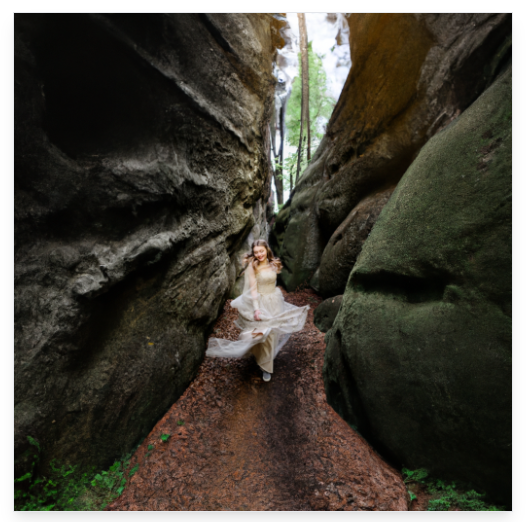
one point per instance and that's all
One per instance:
(275, 262)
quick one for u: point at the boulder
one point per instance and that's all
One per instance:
(419, 357)
(411, 75)
(326, 312)
(141, 156)
(345, 244)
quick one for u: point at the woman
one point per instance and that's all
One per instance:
(265, 319)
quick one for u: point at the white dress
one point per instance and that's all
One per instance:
(262, 338)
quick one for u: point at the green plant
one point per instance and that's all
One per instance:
(165, 437)
(447, 495)
(439, 504)
(419, 475)
(66, 488)
(108, 480)
(180, 422)
(321, 104)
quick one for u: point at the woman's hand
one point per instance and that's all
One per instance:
(257, 315)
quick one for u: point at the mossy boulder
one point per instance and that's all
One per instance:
(411, 75)
(326, 313)
(419, 357)
(342, 249)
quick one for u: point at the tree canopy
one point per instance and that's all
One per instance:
(320, 109)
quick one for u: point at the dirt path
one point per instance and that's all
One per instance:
(238, 443)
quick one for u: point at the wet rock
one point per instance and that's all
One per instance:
(419, 357)
(141, 165)
(326, 313)
(411, 75)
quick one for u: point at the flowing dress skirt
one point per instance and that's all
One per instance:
(279, 319)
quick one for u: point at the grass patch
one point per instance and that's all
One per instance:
(446, 495)
(66, 488)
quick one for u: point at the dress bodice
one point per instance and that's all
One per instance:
(266, 281)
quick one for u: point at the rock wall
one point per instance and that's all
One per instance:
(411, 75)
(419, 357)
(326, 313)
(141, 156)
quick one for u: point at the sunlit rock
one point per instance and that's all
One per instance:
(411, 75)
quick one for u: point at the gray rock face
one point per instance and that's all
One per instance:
(326, 313)
(411, 75)
(141, 157)
(419, 357)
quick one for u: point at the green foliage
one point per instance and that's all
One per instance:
(447, 495)
(419, 475)
(66, 488)
(320, 109)
(180, 422)
(165, 437)
(320, 104)
(33, 442)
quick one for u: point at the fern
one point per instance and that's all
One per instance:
(446, 494)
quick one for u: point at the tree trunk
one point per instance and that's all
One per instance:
(278, 179)
(291, 178)
(304, 49)
(300, 149)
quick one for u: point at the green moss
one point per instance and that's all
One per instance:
(419, 357)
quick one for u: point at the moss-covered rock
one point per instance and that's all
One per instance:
(411, 75)
(419, 357)
(326, 312)
(342, 249)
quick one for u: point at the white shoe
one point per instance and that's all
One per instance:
(266, 376)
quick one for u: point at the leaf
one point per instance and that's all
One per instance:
(165, 437)
(440, 504)
(412, 496)
(23, 477)
(418, 475)
(33, 442)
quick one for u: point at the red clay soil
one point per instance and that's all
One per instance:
(238, 443)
